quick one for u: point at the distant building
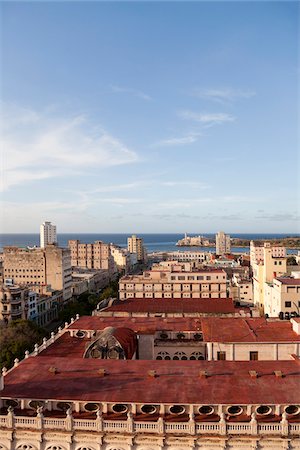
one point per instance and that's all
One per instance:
(282, 296)
(92, 256)
(42, 269)
(136, 245)
(222, 243)
(171, 283)
(47, 234)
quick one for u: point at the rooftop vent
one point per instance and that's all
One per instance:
(152, 373)
(53, 370)
(203, 374)
(102, 372)
(253, 374)
(278, 374)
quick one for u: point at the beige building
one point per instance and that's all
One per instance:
(124, 260)
(282, 296)
(88, 280)
(222, 243)
(13, 302)
(264, 271)
(257, 252)
(92, 256)
(40, 268)
(241, 289)
(136, 245)
(174, 284)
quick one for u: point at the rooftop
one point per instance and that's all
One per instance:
(226, 382)
(289, 281)
(240, 329)
(175, 305)
(141, 325)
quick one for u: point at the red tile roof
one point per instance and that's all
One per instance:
(238, 329)
(289, 280)
(176, 305)
(228, 382)
(146, 325)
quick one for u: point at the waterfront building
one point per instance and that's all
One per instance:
(222, 243)
(169, 283)
(92, 256)
(136, 245)
(85, 389)
(42, 269)
(47, 234)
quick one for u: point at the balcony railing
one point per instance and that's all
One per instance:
(191, 427)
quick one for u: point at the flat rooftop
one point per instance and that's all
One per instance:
(239, 329)
(175, 305)
(227, 382)
(141, 325)
(289, 280)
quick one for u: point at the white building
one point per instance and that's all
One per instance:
(257, 252)
(47, 234)
(222, 243)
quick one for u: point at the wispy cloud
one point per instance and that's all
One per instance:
(36, 146)
(206, 119)
(280, 217)
(176, 141)
(227, 95)
(134, 92)
(188, 184)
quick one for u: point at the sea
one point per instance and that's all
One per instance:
(154, 242)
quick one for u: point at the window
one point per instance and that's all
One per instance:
(253, 356)
(200, 278)
(288, 304)
(221, 356)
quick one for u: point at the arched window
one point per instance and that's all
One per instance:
(25, 447)
(197, 355)
(163, 355)
(180, 355)
(55, 447)
(85, 448)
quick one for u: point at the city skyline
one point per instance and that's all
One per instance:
(153, 117)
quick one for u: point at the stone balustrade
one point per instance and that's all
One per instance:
(283, 428)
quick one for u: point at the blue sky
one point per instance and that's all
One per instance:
(150, 117)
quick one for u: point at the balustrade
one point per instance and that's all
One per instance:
(243, 428)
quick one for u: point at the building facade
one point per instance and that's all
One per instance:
(172, 284)
(39, 268)
(136, 245)
(222, 243)
(92, 256)
(48, 234)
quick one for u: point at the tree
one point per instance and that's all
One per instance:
(15, 338)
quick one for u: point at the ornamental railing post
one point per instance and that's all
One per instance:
(253, 424)
(222, 425)
(99, 421)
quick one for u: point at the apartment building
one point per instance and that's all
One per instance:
(190, 256)
(40, 268)
(282, 296)
(172, 284)
(92, 256)
(222, 243)
(48, 234)
(257, 252)
(241, 289)
(136, 245)
(264, 271)
(124, 260)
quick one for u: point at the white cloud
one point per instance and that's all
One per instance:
(206, 119)
(223, 95)
(189, 139)
(188, 184)
(134, 92)
(36, 146)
